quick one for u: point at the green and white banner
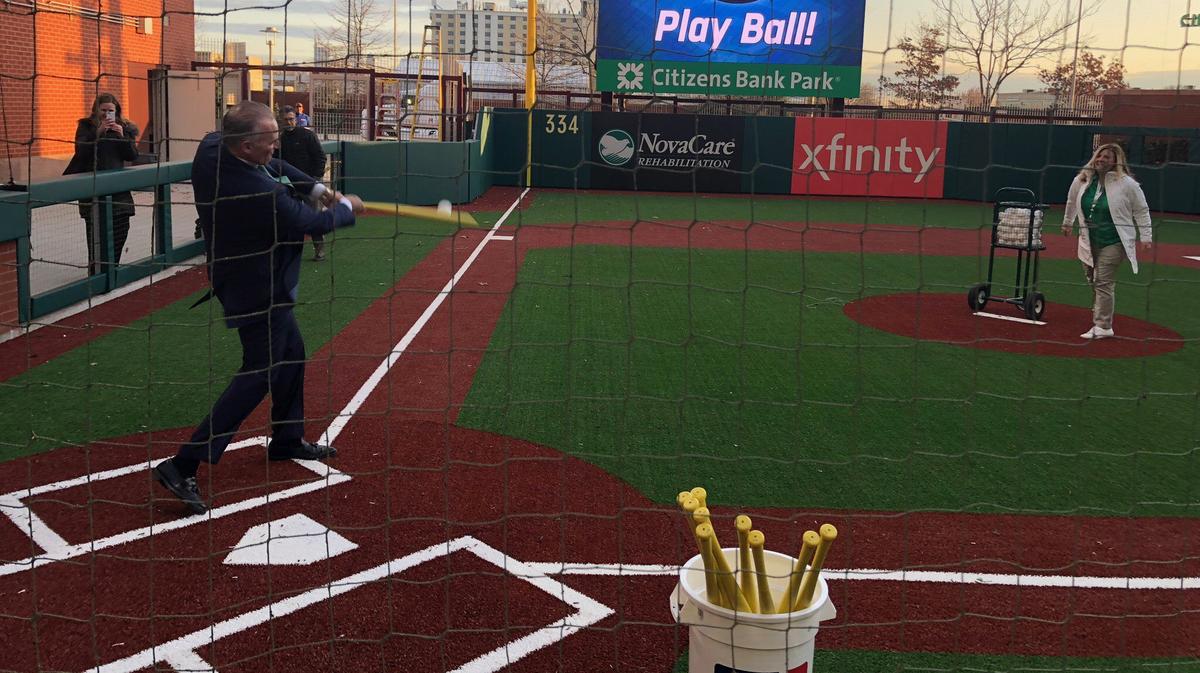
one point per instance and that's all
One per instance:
(746, 79)
(737, 47)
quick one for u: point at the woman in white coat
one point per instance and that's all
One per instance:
(1112, 214)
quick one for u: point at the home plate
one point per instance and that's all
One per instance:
(1192, 257)
(294, 540)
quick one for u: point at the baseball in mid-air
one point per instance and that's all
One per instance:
(444, 206)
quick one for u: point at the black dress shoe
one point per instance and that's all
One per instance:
(181, 487)
(302, 451)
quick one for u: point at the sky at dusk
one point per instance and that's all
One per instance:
(1145, 34)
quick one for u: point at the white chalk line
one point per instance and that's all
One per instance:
(360, 397)
(931, 576)
(55, 548)
(188, 662)
(182, 651)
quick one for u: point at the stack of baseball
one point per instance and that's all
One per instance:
(1013, 228)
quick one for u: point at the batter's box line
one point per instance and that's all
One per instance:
(55, 548)
(182, 653)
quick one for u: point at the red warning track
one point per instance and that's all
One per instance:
(418, 480)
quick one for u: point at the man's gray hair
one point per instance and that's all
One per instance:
(242, 120)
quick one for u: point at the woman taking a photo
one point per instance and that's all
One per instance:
(103, 141)
(1112, 214)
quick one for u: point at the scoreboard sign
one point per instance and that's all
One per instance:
(739, 47)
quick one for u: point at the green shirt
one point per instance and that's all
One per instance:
(1101, 230)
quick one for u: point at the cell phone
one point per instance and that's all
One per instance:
(110, 115)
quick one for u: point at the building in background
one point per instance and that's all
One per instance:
(1028, 98)
(322, 55)
(491, 34)
(207, 56)
(235, 52)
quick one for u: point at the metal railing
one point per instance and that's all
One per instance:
(53, 270)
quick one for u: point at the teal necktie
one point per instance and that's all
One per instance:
(282, 179)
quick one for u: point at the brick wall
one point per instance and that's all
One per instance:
(1166, 109)
(71, 52)
(16, 83)
(8, 286)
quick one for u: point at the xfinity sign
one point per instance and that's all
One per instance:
(878, 159)
(869, 157)
(748, 47)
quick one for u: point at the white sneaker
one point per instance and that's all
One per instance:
(1097, 333)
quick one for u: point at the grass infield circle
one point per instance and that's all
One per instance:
(945, 318)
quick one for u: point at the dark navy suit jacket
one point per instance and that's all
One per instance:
(254, 228)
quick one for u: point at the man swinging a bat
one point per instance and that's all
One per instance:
(254, 220)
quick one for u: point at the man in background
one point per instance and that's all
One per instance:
(301, 148)
(302, 119)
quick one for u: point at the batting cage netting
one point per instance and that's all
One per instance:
(721, 336)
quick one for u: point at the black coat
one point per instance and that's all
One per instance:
(254, 226)
(102, 152)
(301, 148)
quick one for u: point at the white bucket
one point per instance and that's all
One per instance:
(724, 641)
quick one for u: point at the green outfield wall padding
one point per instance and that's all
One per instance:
(509, 130)
(768, 155)
(420, 173)
(982, 158)
(560, 148)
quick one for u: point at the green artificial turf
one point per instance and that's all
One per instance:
(738, 371)
(558, 207)
(868, 661)
(164, 370)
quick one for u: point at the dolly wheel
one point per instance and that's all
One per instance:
(977, 296)
(1035, 306)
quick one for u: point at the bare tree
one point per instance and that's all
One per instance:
(973, 99)
(998, 38)
(566, 45)
(567, 41)
(355, 33)
(868, 94)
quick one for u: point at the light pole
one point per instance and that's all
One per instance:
(271, 33)
(1075, 60)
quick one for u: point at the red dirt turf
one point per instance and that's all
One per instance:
(945, 318)
(419, 480)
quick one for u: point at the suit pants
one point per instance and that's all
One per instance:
(1103, 278)
(273, 361)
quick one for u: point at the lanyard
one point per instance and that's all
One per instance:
(1091, 216)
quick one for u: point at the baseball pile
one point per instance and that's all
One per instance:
(1013, 228)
